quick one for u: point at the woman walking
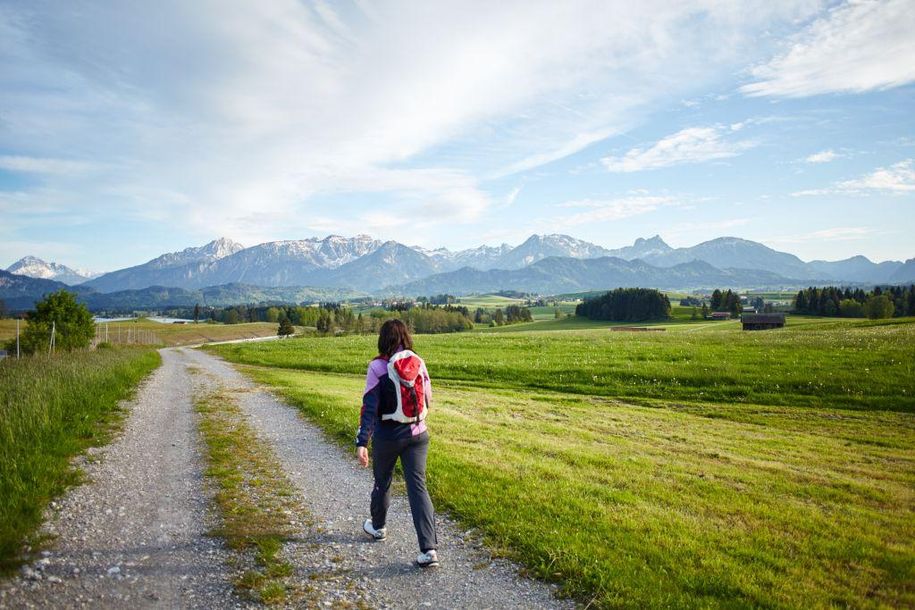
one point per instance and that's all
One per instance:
(394, 406)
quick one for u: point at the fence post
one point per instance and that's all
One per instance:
(17, 338)
(51, 344)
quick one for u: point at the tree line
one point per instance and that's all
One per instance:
(626, 305)
(833, 301)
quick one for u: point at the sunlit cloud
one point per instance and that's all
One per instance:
(691, 145)
(858, 46)
(898, 179)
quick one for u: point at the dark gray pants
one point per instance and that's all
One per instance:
(412, 453)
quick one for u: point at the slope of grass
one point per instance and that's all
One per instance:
(672, 505)
(835, 364)
(51, 409)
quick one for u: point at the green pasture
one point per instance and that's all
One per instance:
(698, 467)
(813, 363)
(51, 409)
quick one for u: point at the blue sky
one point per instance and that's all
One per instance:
(132, 129)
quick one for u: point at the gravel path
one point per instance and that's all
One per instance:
(337, 491)
(134, 535)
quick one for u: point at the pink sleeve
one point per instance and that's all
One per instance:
(377, 368)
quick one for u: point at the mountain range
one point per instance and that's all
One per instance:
(546, 264)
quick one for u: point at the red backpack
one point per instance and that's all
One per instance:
(405, 371)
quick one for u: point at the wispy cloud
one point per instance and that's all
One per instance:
(858, 46)
(898, 178)
(831, 234)
(692, 228)
(824, 156)
(602, 210)
(691, 145)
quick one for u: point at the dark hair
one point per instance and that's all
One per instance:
(393, 336)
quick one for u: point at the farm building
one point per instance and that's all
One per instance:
(720, 315)
(762, 321)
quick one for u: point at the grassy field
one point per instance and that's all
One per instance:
(702, 467)
(169, 334)
(817, 363)
(51, 409)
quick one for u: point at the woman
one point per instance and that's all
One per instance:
(394, 405)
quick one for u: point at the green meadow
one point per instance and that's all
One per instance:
(699, 467)
(51, 409)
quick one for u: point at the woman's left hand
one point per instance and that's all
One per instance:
(363, 454)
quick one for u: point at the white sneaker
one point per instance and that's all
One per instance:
(378, 534)
(429, 559)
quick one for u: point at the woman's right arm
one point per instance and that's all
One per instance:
(370, 400)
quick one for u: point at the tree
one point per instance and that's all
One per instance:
(694, 315)
(800, 302)
(3, 311)
(273, 314)
(285, 328)
(557, 313)
(704, 310)
(196, 313)
(231, 317)
(70, 320)
(716, 300)
(498, 317)
(879, 307)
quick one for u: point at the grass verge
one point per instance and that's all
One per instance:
(50, 410)
(253, 497)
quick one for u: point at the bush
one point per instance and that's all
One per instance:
(71, 322)
(879, 307)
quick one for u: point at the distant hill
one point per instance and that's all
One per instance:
(856, 269)
(34, 267)
(905, 274)
(19, 292)
(561, 274)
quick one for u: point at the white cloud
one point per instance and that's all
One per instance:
(231, 115)
(898, 178)
(609, 209)
(824, 156)
(856, 47)
(691, 145)
(831, 234)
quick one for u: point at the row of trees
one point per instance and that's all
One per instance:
(726, 301)
(626, 305)
(513, 314)
(847, 303)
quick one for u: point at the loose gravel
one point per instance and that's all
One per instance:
(336, 491)
(134, 534)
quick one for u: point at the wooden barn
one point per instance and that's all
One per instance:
(762, 321)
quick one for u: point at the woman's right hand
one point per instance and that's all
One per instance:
(363, 454)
